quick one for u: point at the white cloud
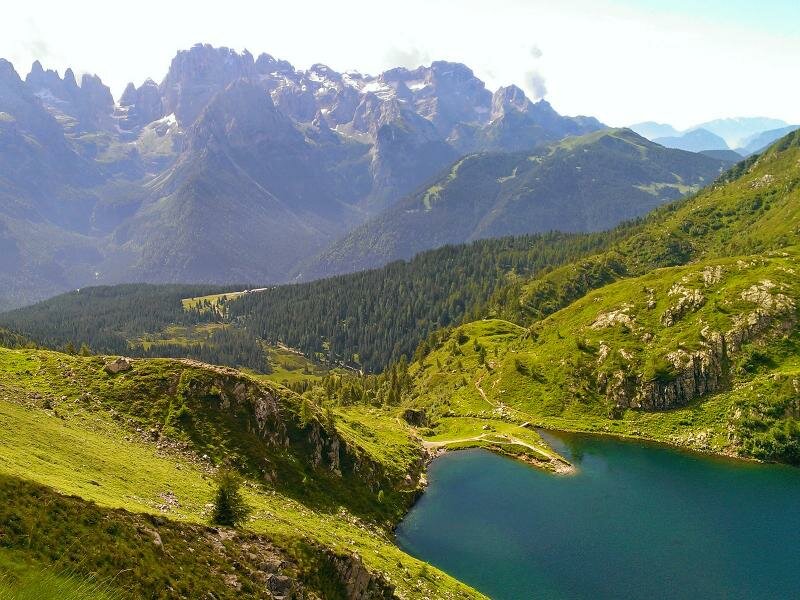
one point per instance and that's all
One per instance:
(536, 85)
(408, 57)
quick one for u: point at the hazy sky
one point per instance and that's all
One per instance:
(677, 61)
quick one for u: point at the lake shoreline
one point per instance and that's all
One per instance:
(632, 500)
(432, 453)
(644, 439)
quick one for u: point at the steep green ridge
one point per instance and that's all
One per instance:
(684, 332)
(586, 183)
(753, 208)
(705, 356)
(138, 448)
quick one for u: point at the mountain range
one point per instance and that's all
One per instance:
(237, 168)
(743, 136)
(128, 468)
(586, 183)
(233, 168)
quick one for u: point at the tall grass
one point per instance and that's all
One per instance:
(51, 585)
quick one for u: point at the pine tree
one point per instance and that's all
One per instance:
(306, 414)
(230, 509)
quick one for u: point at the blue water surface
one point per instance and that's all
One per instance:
(636, 521)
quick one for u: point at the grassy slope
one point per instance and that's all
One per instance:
(179, 335)
(94, 441)
(28, 580)
(560, 369)
(559, 372)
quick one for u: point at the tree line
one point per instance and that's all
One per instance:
(372, 318)
(114, 319)
(366, 320)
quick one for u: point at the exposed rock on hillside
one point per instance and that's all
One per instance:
(118, 366)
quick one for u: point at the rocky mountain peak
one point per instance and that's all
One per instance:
(509, 98)
(197, 74)
(372, 112)
(266, 63)
(128, 95)
(40, 79)
(459, 79)
(140, 106)
(452, 95)
(322, 71)
(242, 114)
(70, 83)
(36, 68)
(88, 106)
(8, 75)
(15, 99)
(396, 74)
(97, 93)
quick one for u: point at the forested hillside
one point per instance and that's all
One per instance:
(373, 317)
(366, 319)
(138, 320)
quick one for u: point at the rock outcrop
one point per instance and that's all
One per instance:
(697, 373)
(416, 417)
(118, 365)
(274, 419)
(687, 300)
(358, 582)
(693, 374)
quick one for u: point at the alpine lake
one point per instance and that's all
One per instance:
(636, 520)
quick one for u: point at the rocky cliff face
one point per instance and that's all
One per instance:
(274, 419)
(196, 75)
(695, 373)
(360, 583)
(84, 108)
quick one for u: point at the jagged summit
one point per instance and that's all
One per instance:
(509, 98)
(141, 105)
(85, 107)
(8, 75)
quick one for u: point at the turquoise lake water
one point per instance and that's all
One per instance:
(636, 521)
